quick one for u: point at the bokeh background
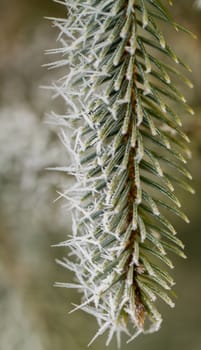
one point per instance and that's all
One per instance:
(33, 314)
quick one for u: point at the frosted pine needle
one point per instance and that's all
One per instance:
(126, 138)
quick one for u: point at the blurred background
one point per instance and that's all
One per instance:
(34, 315)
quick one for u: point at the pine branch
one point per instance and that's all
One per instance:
(126, 138)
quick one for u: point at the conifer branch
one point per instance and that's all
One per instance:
(126, 138)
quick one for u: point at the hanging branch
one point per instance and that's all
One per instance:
(127, 150)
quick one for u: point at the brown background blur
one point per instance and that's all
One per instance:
(33, 314)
